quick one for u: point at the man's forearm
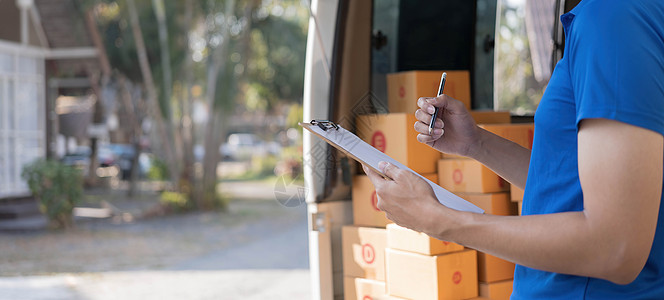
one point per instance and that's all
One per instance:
(563, 243)
(506, 158)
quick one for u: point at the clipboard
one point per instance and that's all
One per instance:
(351, 145)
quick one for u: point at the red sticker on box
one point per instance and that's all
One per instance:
(374, 201)
(402, 91)
(501, 182)
(368, 253)
(456, 277)
(367, 298)
(457, 176)
(378, 141)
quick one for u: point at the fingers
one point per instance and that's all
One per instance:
(423, 128)
(427, 103)
(375, 178)
(425, 118)
(390, 170)
(426, 138)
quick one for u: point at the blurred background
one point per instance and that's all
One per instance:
(148, 148)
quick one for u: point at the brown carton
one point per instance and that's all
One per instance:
(501, 290)
(521, 134)
(402, 238)
(491, 117)
(365, 211)
(364, 252)
(404, 88)
(470, 176)
(417, 276)
(516, 193)
(492, 269)
(395, 135)
(492, 203)
(363, 289)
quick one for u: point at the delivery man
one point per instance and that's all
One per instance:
(593, 223)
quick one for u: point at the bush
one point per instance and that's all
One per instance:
(158, 170)
(57, 187)
(263, 166)
(176, 202)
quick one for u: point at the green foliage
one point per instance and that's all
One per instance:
(177, 202)
(263, 166)
(516, 89)
(114, 24)
(158, 170)
(58, 188)
(277, 57)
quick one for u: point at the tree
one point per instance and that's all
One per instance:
(251, 51)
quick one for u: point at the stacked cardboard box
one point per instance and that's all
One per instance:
(382, 260)
(422, 267)
(523, 135)
(478, 184)
(404, 88)
(363, 255)
(364, 244)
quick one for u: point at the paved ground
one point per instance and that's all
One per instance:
(256, 250)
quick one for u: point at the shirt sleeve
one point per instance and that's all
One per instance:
(616, 63)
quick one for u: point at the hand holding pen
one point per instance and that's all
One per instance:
(441, 87)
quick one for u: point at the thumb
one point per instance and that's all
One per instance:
(389, 169)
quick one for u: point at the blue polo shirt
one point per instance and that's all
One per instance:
(613, 68)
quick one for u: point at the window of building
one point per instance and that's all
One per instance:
(22, 118)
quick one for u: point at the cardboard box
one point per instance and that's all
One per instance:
(493, 203)
(501, 290)
(469, 176)
(405, 239)
(516, 193)
(417, 276)
(432, 176)
(519, 205)
(491, 117)
(363, 289)
(521, 134)
(365, 211)
(364, 252)
(365, 201)
(395, 135)
(492, 269)
(404, 88)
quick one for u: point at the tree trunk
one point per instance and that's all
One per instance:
(163, 125)
(137, 131)
(206, 192)
(187, 175)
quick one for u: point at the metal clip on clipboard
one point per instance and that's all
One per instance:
(324, 124)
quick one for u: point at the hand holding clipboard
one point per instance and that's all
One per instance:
(350, 144)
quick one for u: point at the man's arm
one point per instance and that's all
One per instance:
(508, 159)
(620, 168)
(456, 132)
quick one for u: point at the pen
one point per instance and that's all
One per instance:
(441, 87)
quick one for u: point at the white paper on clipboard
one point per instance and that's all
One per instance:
(359, 150)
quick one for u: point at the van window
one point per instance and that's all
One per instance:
(420, 35)
(524, 45)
